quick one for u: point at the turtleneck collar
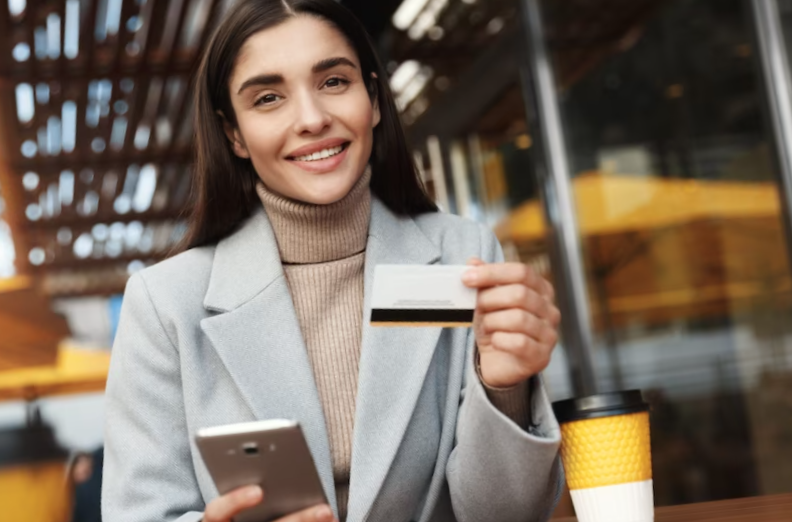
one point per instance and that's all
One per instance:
(308, 233)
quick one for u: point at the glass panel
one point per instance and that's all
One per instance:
(681, 227)
(505, 195)
(785, 10)
(461, 99)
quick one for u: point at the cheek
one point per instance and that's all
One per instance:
(367, 117)
(357, 114)
(262, 139)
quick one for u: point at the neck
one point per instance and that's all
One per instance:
(308, 233)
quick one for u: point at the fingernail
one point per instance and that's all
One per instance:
(254, 492)
(323, 514)
(469, 277)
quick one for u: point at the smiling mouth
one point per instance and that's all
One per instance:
(322, 154)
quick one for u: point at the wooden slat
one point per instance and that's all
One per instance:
(157, 65)
(52, 166)
(157, 24)
(136, 110)
(5, 43)
(30, 21)
(91, 263)
(12, 188)
(167, 45)
(87, 37)
(176, 15)
(143, 36)
(178, 120)
(85, 223)
(61, 63)
(129, 8)
(160, 58)
(104, 129)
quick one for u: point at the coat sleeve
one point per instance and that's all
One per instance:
(148, 473)
(497, 470)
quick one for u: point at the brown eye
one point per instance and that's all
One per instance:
(336, 82)
(267, 99)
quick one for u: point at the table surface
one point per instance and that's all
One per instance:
(775, 508)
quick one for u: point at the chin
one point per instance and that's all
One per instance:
(326, 190)
(326, 195)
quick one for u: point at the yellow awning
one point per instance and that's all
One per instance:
(36, 493)
(608, 204)
(31, 331)
(77, 371)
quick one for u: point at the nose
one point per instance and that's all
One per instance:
(312, 117)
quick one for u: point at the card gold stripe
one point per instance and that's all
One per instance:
(416, 324)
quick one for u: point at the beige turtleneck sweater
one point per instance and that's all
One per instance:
(323, 252)
(322, 248)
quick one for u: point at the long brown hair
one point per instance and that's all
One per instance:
(224, 184)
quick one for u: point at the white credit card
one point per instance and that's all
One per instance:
(421, 295)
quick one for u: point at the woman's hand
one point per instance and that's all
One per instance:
(515, 321)
(225, 508)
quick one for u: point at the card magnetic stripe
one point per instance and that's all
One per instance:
(386, 315)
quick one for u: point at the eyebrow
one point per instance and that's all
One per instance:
(261, 80)
(330, 63)
(276, 79)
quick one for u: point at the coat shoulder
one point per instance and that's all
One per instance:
(459, 238)
(183, 278)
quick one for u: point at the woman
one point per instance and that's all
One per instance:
(305, 184)
(85, 476)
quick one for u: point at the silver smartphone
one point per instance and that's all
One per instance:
(272, 454)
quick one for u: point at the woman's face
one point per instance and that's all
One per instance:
(305, 118)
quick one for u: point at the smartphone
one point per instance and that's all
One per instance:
(272, 454)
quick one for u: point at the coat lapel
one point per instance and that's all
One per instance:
(393, 363)
(257, 335)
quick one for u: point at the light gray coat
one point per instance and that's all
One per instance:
(211, 337)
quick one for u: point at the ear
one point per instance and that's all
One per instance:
(375, 105)
(234, 137)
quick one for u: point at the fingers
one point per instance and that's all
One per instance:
(486, 275)
(555, 316)
(547, 290)
(226, 507)
(321, 513)
(517, 320)
(518, 296)
(483, 276)
(531, 355)
(512, 296)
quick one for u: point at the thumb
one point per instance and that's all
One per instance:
(474, 261)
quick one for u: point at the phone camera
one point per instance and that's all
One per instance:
(250, 449)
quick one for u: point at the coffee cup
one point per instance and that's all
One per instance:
(606, 451)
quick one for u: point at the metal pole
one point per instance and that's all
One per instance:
(559, 205)
(775, 69)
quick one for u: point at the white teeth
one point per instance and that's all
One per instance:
(324, 154)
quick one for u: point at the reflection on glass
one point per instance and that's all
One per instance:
(678, 205)
(494, 176)
(785, 10)
(682, 234)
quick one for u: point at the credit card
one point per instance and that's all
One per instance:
(421, 295)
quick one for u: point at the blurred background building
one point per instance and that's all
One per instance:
(672, 148)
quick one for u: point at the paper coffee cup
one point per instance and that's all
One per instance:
(606, 450)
